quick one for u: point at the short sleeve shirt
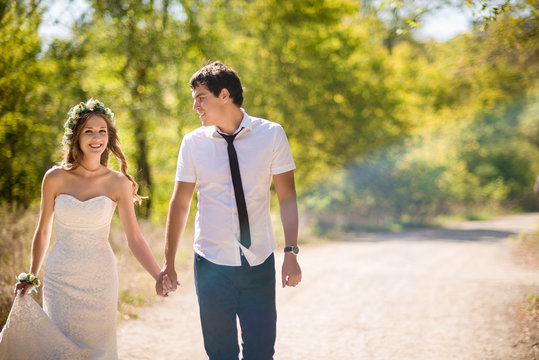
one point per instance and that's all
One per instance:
(263, 151)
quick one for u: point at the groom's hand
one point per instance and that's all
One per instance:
(291, 273)
(170, 280)
(166, 282)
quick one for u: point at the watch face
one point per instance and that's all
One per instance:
(292, 248)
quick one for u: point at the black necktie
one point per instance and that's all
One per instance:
(245, 235)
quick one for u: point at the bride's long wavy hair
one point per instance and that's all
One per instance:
(73, 154)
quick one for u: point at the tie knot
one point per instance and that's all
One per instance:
(229, 138)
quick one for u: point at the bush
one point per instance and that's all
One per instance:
(466, 167)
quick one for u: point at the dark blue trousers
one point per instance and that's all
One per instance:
(247, 292)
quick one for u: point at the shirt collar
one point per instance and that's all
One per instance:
(245, 123)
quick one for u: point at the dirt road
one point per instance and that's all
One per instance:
(437, 294)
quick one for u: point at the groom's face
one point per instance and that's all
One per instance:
(208, 106)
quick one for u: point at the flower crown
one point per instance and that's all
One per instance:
(76, 111)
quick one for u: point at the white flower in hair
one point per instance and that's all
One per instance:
(110, 114)
(90, 104)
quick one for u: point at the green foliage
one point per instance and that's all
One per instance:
(323, 69)
(316, 67)
(465, 169)
(474, 145)
(125, 53)
(495, 150)
(24, 133)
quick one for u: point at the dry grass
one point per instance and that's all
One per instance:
(17, 227)
(527, 252)
(529, 320)
(136, 286)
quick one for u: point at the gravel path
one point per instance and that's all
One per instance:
(441, 293)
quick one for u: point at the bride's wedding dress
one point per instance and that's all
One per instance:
(80, 291)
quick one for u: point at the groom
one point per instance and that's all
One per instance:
(231, 160)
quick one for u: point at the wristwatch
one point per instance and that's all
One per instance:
(294, 249)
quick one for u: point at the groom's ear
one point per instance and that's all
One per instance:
(224, 95)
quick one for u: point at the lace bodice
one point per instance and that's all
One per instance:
(88, 215)
(82, 223)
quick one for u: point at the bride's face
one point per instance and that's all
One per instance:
(94, 136)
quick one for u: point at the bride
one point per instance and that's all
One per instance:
(80, 291)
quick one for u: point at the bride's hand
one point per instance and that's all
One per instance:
(163, 285)
(24, 287)
(159, 285)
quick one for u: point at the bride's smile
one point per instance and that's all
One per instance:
(94, 136)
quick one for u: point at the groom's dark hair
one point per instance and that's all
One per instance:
(218, 76)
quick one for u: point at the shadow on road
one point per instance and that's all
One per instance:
(431, 234)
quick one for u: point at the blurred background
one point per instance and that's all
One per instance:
(399, 113)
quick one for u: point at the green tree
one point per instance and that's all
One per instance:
(25, 136)
(317, 67)
(129, 54)
(471, 102)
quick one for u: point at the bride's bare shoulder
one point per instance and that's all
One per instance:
(55, 173)
(118, 180)
(117, 175)
(54, 179)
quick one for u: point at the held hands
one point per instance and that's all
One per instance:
(167, 281)
(291, 273)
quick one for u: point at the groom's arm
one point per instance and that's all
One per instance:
(180, 204)
(286, 193)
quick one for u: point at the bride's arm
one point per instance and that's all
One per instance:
(138, 246)
(42, 235)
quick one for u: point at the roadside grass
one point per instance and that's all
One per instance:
(136, 286)
(527, 249)
(529, 323)
(17, 227)
(527, 254)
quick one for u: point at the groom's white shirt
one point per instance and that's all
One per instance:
(263, 151)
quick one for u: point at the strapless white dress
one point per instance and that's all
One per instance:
(80, 291)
